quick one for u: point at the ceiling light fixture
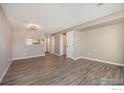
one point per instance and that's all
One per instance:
(32, 26)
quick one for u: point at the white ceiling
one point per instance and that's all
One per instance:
(56, 17)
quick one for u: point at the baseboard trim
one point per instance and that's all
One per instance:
(51, 52)
(28, 57)
(78, 58)
(56, 54)
(5, 71)
(103, 61)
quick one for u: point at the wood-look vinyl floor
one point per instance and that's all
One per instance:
(55, 70)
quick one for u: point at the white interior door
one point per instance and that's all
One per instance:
(52, 44)
(62, 44)
(69, 44)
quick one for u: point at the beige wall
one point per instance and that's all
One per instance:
(5, 44)
(20, 49)
(106, 43)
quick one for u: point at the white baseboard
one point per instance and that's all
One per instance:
(56, 54)
(51, 52)
(27, 57)
(77, 58)
(103, 61)
(10, 61)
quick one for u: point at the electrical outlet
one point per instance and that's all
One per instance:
(9, 59)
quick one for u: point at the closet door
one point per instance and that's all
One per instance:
(69, 44)
(52, 44)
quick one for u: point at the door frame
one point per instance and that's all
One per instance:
(63, 44)
(52, 50)
(70, 44)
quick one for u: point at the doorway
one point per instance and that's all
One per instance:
(63, 44)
